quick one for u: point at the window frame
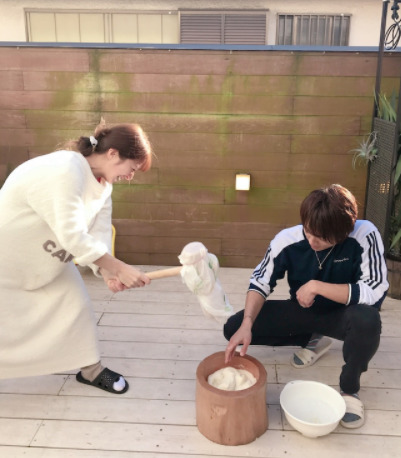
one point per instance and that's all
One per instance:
(297, 18)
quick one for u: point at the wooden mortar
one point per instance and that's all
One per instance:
(231, 417)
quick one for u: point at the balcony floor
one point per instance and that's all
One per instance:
(156, 336)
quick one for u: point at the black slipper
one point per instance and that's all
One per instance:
(104, 381)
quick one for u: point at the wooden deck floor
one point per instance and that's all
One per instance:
(156, 336)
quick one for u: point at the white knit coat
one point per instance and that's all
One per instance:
(52, 209)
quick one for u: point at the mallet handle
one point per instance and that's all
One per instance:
(164, 273)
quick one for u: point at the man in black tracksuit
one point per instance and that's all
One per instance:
(337, 279)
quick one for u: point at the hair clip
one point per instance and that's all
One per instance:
(93, 141)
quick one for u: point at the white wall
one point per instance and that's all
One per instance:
(365, 20)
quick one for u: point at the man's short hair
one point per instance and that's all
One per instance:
(329, 213)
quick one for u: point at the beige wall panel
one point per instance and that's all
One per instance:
(125, 28)
(67, 27)
(43, 27)
(92, 28)
(170, 28)
(149, 28)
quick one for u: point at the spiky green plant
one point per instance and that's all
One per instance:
(386, 108)
(367, 151)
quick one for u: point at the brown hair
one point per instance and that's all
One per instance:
(329, 213)
(129, 140)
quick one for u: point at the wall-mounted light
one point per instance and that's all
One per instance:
(242, 182)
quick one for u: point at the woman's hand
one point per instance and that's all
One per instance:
(118, 275)
(112, 282)
(130, 277)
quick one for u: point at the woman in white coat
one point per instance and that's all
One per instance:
(56, 208)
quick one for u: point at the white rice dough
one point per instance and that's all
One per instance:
(231, 379)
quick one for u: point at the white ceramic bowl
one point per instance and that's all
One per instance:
(312, 408)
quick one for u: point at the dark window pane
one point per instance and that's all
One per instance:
(324, 30)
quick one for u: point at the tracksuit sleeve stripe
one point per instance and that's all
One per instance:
(260, 271)
(375, 262)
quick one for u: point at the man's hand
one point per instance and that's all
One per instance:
(306, 294)
(253, 304)
(242, 336)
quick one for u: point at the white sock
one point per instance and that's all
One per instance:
(120, 384)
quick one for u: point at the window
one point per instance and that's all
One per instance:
(312, 29)
(228, 27)
(101, 27)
